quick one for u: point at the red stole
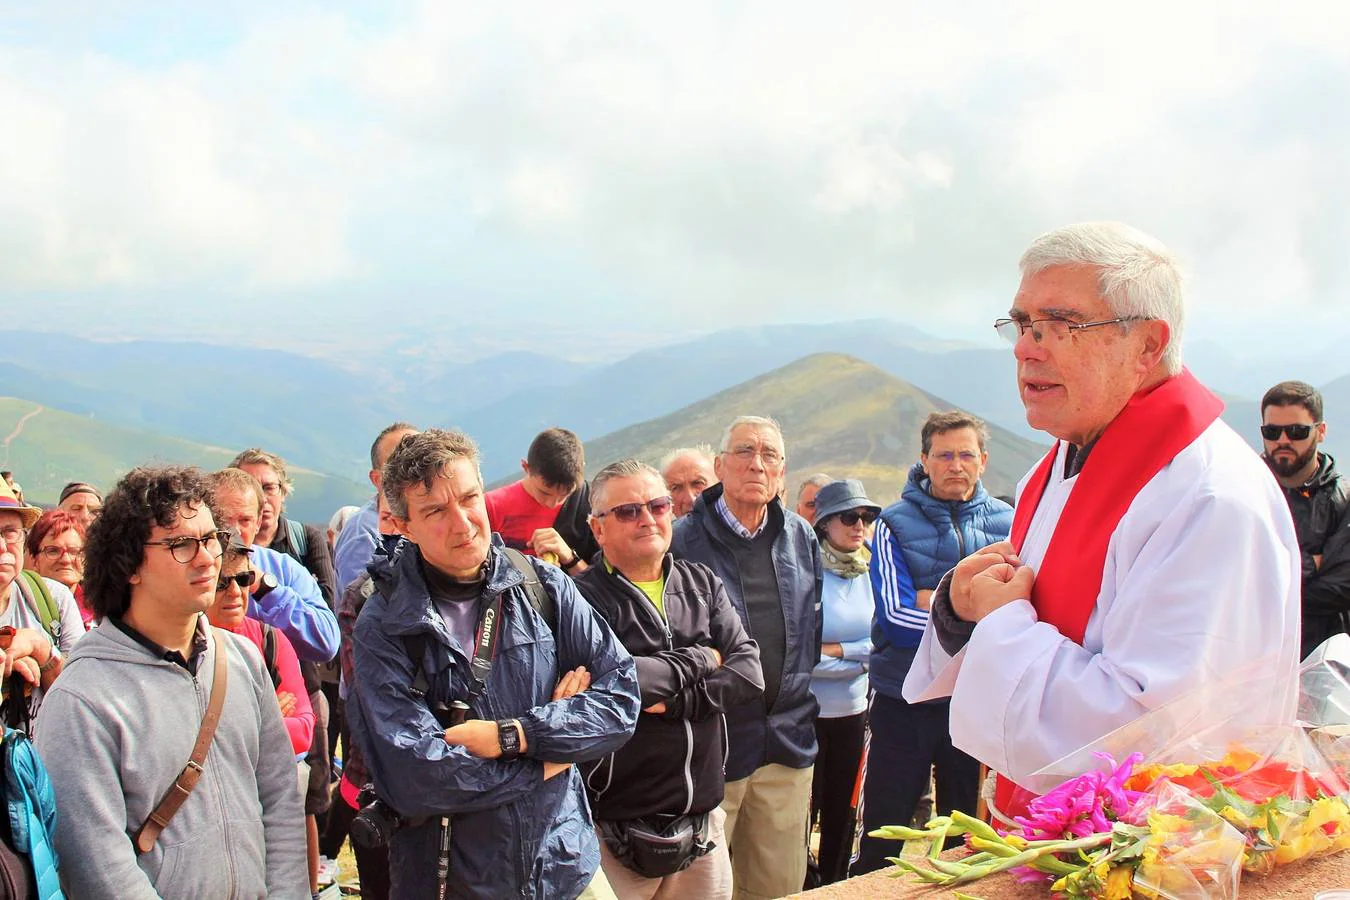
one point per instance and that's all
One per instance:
(1150, 431)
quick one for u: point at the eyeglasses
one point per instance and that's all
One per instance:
(185, 548)
(13, 534)
(951, 456)
(1058, 330)
(628, 513)
(851, 517)
(243, 579)
(52, 554)
(1298, 432)
(770, 456)
(272, 488)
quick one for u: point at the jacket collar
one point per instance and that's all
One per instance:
(916, 492)
(407, 598)
(710, 520)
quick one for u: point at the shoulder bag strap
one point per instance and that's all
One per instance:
(187, 779)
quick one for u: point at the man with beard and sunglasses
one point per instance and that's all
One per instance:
(1291, 430)
(944, 514)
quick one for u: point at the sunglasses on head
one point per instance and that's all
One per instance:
(851, 517)
(1295, 432)
(629, 512)
(243, 579)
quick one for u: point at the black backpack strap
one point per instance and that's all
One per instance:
(416, 647)
(538, 594)
(270, 653)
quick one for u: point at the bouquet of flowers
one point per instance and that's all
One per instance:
(1177, 818)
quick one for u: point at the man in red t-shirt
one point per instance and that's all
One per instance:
(525, 513)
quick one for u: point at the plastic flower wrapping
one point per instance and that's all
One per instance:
(1180, 803)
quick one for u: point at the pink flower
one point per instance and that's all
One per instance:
(1082, 806)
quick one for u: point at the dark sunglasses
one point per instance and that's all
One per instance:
(1295, 432)
(243, 579)
(629, 512)
(851, 517)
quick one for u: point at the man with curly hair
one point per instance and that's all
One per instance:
(119, 726)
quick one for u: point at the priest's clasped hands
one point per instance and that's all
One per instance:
(989, 579)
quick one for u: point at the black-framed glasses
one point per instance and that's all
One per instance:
(851, 517)
(629, 512)
(184, 549)
(243, 579)
(52, 554)
(1011, 330)
(1298, 432)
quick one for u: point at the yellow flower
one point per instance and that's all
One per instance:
(1120, 883)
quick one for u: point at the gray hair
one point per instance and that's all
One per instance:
(624, 468)
(758, 422)
(341, 518)
(1137, 275)
(421, 458)
(819, 480)
(701, 450)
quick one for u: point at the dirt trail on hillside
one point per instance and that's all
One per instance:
(18, 429)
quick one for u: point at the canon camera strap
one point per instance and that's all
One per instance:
(485, 650)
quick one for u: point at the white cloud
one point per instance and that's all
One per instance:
(737, 162)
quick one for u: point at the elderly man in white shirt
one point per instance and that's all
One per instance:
(1151, 552)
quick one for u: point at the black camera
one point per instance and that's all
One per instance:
(376, 821)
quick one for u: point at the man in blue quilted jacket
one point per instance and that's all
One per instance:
(943, 515)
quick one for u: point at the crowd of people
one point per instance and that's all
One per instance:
(687, 680)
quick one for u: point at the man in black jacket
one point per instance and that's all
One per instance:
(1291, 429)
(694, 659)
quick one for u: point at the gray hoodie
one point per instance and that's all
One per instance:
(117, 728)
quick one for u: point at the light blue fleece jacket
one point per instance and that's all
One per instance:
(840, 685)
(295, 607)
(355, 546)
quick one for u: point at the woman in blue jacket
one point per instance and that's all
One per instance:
(839, 681)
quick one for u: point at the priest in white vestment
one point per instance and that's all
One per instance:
(1152, 550)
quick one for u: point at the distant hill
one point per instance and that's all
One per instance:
(53, 447)
(840, 415)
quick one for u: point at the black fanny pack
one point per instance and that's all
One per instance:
(658, 846)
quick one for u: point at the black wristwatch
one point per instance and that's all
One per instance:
(508, 738)
(571, 563)
(267, 583)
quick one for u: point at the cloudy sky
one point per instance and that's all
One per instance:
(306, 175)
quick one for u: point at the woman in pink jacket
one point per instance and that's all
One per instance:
(228, 612)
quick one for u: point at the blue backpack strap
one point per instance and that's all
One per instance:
(299, 541)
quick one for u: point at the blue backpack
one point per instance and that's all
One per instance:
(28, 860)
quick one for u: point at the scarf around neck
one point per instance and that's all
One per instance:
(845, 565)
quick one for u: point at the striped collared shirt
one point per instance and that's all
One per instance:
(735, 524)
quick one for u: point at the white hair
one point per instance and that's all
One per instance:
(1137, 275)
(703, 451)
(341, 518)
(756, 421)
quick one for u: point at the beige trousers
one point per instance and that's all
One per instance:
(768, 815)
(599, 888)
(709, 878)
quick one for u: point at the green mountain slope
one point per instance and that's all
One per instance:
(46, 447)
(840, 416)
